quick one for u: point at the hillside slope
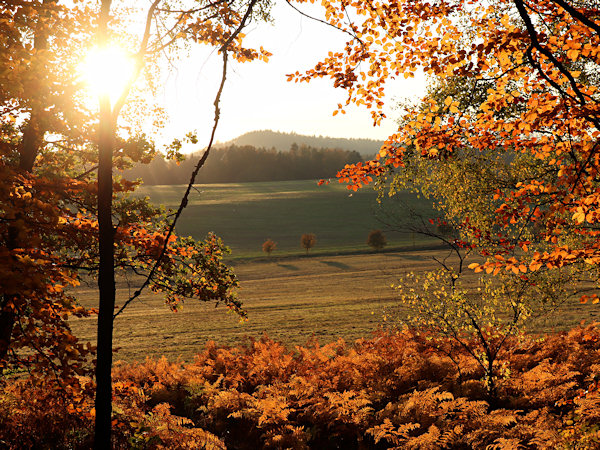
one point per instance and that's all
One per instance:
(283, 141)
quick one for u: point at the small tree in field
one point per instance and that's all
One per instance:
(376, 240)
(268, 246)
(308, 241)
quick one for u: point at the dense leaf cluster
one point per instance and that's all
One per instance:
(392, 391)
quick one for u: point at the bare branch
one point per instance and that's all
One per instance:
(308, 16)
(139, 61)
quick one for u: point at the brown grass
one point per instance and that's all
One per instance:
(290, 299)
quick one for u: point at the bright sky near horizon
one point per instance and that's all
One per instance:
(257, 95)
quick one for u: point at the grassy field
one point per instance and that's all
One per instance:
(291, 299)
(246, 214)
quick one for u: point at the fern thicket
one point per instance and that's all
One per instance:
(395, 390)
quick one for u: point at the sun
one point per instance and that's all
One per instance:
(107, 71)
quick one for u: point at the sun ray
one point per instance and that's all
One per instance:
(107, 71)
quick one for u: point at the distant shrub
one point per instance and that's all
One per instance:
(269, 246)
(376, 240)
(308, 241)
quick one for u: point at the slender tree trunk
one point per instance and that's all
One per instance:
(33, 138)
(492, 391)
(33, 135)
(7, 314)
(106, 270)
(106, 279)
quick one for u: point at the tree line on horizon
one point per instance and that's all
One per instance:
(283, 141)
(235, 164)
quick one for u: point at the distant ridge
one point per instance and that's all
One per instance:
(283, 141)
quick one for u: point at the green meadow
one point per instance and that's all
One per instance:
(246, 214)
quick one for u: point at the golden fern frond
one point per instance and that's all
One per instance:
(450, 437)
(500, 418)
(426, 441)
(388, 432)
(505, 444)
(288, 437)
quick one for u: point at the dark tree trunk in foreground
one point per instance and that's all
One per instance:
(106, 270)
(106, 279)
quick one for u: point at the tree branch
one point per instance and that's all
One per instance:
(199, 164)
(139, 61)
(535, 43)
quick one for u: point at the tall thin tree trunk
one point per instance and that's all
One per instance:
(106, 279)
(33, 135)
(106, 270)
(30, 143)
(7, 313)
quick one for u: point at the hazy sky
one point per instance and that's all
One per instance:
(257, 95)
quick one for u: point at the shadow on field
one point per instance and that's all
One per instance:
(336, 264)
(409, 256)
(288, 266)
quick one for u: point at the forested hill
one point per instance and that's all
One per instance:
(284, 141)
(234, 164)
